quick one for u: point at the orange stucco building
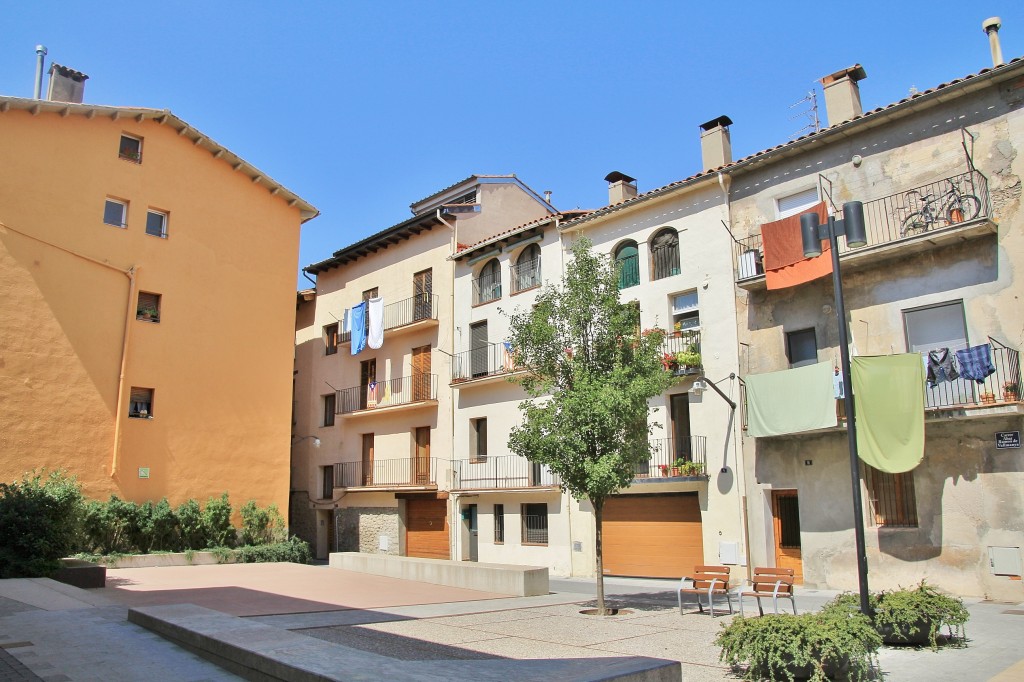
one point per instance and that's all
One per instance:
(147, 288)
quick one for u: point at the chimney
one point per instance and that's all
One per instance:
(991, 26)
(621, 187)
(842, 94)
(40, 56)
(66, 85)
(715, 143)
(547, 196)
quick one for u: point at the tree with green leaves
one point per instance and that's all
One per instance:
(590, 372)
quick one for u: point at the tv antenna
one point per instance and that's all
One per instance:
(813, 122)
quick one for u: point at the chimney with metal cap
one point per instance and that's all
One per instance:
(66, 85)
(715, 143)
(991, 26)
(621, 187)
(842, 94)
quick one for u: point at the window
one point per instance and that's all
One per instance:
(115, 213)
(934, 328)
(535, 523)
(331, 339)
(891, 498)
(156, 224)
(140, 403)
(478, 439)
(665, 254)
(487, 286)
(130, 148)
(370, 293)
(685, 313)
(801, 348)
(499, 524)
(797, 203)
(627, 259)
(526, 271)
(327, 492)
(148, 307)
(330, 401)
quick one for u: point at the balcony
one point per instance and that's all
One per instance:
(526, 275)
(687, 342)
(898, 225)
(481, 364)
(487, 288)
(505, 472)
(418, 390)
(405, 472)
(675, 460)
(406, 315)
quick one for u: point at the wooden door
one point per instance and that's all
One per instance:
(421, 464)
(786, 521)
(654, 536)
(426, 528)
(421, 373)
(422, 288)
(367, 460)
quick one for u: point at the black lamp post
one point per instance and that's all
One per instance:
(812, 232)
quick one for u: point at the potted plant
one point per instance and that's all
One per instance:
(987, 397)
(839, 642)
(1010, 391)
(690, 468)
(689, 358)
(664, 469)
(669, 362)
(147, 313)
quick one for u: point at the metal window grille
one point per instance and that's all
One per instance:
(665, 255)
(535, 523)
(891, 497)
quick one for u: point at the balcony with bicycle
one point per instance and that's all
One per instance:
(404, 316)
(675, 460)
(404, 393)
(502, 472)
(484, 364)
(920, 219)
(393, 473)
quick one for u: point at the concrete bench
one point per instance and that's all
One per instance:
(520, 581)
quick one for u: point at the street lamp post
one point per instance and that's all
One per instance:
(812, 233)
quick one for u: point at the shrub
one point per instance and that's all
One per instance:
(294, 550)
(190, 525)
(39, 523)
(778, 647)
(163, 528)
(262, 526)
(217, 522)
(900, 616)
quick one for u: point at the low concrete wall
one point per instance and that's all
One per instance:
(521, 581)
(170, 559)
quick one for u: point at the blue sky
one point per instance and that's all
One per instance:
(364, 108)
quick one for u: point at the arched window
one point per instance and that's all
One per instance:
(665, 254)
(488, 285)
(627, 258)
(526, 271)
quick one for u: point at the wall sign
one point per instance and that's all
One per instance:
(1007, 439)
(143, 472)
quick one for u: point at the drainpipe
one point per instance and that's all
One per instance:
(454, 529)
(40, 54)
(451, 227)
(119, 414)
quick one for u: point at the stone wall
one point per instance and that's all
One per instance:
(361, 528)
(301, 519)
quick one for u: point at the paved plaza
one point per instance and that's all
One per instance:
(55, 632)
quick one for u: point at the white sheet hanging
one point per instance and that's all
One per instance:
(375, 312)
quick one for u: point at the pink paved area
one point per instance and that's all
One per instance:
(274, 589)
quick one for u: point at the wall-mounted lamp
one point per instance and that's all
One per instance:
(316, 441)
(698, 387)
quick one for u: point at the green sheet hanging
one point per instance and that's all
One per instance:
(791, 401)
(888, 397)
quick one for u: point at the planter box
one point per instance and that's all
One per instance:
(902, 636)
(169, 559)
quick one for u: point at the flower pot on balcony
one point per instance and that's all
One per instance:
(1010, 396)
(675, 471)
(987, 398)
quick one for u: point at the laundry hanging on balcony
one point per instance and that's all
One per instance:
(791, 401)
(888, 398)
(784, 261)
(976, 362)
(358, 320)
(940, 366)
(508, 362)
(375, 314)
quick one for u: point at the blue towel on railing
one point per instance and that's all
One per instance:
(976, 362)
(358, 320)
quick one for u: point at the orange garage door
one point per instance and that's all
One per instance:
(654, 536)
(426, 529)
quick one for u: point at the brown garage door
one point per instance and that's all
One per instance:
(656, 536)
(426, 529)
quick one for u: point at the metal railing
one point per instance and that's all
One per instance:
(904, 215)
(487, 288)
(685, 341)
(535, 529)
(665, 460)
(482, 361)
(501, 472)
(525, 275)
(629, 272)
(404, 471)
(665, 260)
(387, 393)
(401, 313)
(965, 392)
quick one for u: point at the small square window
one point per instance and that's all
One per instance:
(130, 149)
(685, 311)
(115, 213)
(140, 403)
(156, 224)
(148, 308)
(802, 348)
(331, 339)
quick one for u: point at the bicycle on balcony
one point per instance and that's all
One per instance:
(951, 207)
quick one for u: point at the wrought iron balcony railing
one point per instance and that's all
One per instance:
(388, 473)
(525, 275)
(387, 393)
(675, 458)
(401, 313)
(482, 361)
(687, 343)
(500, 472)
(486, 288)
(910, 213)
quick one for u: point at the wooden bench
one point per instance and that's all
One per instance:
(709, 581)
(776, 583)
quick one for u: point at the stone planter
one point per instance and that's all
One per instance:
(901, 636)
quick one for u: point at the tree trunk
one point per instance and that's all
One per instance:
(598, 514)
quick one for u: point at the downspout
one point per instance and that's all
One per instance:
(455, 528)
(119, 414)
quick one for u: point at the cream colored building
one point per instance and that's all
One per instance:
(146, 318)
